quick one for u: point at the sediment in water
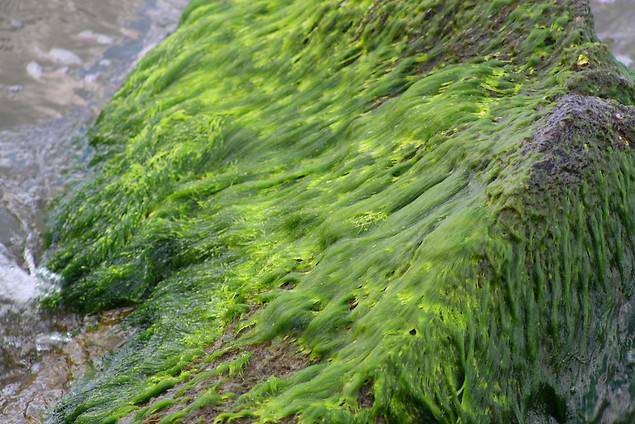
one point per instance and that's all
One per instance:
(422, 208)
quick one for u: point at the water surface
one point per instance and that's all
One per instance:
(60, 61)
(615, 25)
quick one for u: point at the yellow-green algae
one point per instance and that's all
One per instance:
(362, 173)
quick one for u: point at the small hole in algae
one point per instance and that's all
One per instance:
(413, 332)
(366, 397)
(289, 283)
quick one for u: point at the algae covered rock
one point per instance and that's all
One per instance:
(361, 211)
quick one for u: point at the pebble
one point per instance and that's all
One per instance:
(14, 89)
(34, 70)
(93, 36)
(15, 24)
(64, 57)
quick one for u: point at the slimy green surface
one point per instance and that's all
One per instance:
(361, 178)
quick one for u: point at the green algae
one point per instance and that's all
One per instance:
(154, 391)
(361, 174)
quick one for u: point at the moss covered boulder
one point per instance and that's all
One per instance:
(362, 212)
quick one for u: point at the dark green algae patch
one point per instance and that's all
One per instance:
(422, 209)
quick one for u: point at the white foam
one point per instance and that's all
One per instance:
(624, 59)
(16, 285)
(21, 286)
(47, 342)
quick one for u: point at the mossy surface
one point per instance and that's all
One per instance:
(406, 189)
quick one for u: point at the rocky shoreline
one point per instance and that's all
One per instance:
(43, 151)
(422, 209)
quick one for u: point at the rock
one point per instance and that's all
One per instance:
(64, 57)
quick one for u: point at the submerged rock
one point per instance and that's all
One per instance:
(396, 211)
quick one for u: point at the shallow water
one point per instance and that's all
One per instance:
(615, 25)
(60, 61)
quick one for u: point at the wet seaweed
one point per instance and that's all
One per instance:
(430, 197)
